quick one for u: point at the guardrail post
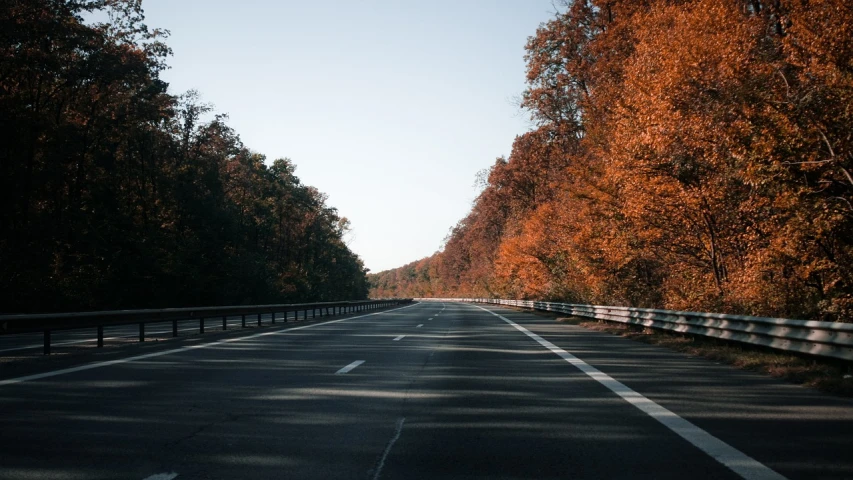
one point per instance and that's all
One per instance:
(313, 312)
(47, 342)
(174, 328)
(224, 322)
(141, 331)
(201, 325)
(273, 317)
(100, 336)
(243, 320)
(259, 319)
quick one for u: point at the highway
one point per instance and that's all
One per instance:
(430, 390)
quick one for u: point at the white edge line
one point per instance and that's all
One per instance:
(39, 376)
(349, 367)
(739, 462)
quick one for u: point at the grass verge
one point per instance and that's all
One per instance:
(826, 375)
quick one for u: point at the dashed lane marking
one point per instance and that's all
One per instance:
(287, 331)
(162, 476)
(349, 367)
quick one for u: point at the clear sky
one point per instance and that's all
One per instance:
(389, 107)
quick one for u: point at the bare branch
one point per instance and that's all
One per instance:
(831, 151)
(846, 173)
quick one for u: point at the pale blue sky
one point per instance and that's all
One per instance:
(389, 107)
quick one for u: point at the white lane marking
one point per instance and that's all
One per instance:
(162, 476)
(286, 331)
(399, 338)
(394, 439)
(419, 326)
(739, 462)
(430, 318)
(349, 367)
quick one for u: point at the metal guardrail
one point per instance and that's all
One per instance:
(824, 339)
(50, 322)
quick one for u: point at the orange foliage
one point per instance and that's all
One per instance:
(689, 154)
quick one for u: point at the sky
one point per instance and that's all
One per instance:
(389, 107)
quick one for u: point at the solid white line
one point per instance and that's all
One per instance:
(742, 464)
(419, 326)
(349, 367)
(399, 338)
(394, 439)
(38, 376)
(162, 476)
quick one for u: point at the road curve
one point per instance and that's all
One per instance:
(432, 390)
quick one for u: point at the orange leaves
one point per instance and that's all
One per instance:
(692, 155)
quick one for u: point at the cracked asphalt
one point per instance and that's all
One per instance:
(465, 396)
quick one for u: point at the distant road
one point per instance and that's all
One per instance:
(425, 391)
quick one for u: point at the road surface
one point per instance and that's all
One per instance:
(431, 390)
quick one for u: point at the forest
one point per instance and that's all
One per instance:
(115, 193)
(683, 154)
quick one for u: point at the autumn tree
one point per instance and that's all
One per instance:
(116, 194)
(690, 154)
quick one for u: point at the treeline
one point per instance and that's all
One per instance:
(116, 194)
(687, 154)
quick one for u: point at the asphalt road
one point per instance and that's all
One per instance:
(426, 391)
